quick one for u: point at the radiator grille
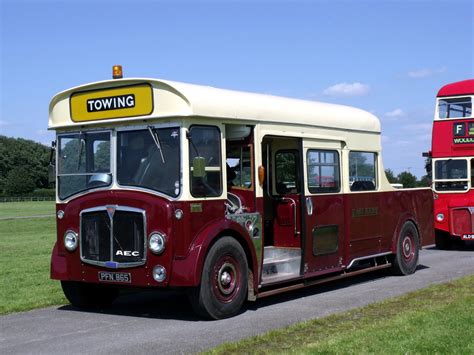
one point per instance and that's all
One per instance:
(113, 236)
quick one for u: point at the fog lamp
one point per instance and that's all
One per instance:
(159, 273)
(440, 217)
(70, 240)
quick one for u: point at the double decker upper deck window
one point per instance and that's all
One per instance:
(459, 107)
(205, 161)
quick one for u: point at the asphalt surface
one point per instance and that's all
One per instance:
(164, 323)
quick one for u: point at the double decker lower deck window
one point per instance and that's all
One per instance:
(451, 175)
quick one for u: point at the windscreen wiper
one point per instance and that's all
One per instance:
(156, 138)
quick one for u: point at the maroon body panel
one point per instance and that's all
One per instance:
(364, 224)
(188, 238)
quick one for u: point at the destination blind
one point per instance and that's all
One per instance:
(120, 102)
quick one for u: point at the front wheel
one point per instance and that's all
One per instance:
(85, 295)
(223, 287)
(408, 246)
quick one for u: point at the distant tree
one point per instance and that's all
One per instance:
(19, 181)
(407, 179)
(425, 181)
(391, 176)
(32, 156)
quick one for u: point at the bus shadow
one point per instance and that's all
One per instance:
(457, 246)
(146, 304)
(323, 288)
(175, 305)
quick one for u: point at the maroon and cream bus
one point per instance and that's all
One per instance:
(231, 196)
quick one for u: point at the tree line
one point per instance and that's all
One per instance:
(23, 166)
(407, 179)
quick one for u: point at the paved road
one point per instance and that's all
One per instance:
(154, 323)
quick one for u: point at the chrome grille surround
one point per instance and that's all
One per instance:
(110, 213)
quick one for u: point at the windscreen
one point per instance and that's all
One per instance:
(83, 162)
(453, 172)
(150, 158)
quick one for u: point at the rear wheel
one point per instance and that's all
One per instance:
(443, 240)
(223, 287)
(85, 295)
(408, 246)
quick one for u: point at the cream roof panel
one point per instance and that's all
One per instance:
(180, 99)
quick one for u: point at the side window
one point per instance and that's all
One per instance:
(286, 169)
(362, 171)
(205, 144)
(239, 167)
(323, 171)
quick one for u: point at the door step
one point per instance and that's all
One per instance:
(280, 264)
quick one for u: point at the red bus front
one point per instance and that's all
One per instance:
(453, 163)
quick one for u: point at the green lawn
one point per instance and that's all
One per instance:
(21, 209)
(435, 320)
(26, 246)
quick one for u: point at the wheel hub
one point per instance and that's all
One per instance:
(226, 278)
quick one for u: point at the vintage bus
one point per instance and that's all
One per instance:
(452, 155)
(230, 196)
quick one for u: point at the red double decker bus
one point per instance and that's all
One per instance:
(452, 154)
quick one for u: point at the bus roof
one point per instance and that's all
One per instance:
(174, 99)
(465, 87)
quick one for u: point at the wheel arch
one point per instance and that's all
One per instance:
(188, 271)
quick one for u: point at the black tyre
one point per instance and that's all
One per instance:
(223, 287)
(408, 247)
(443, 240)
(84, 295)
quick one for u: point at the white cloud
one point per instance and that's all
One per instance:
(398, 112)
(347, 89)
(3, 123)
(425, 72)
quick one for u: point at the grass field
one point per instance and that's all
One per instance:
(21, 209)
(435, 320)
(26, 246)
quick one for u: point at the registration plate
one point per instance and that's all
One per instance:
(122, 277)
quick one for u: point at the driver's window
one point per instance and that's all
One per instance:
(205, 142)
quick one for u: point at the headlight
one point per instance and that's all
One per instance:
(440, 217)
(70, 240)
(157, 242)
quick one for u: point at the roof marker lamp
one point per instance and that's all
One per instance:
(117, 72)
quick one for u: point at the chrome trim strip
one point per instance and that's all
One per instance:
(110, 262)
(366, 257)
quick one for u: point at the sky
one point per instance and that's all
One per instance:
(387, 57)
